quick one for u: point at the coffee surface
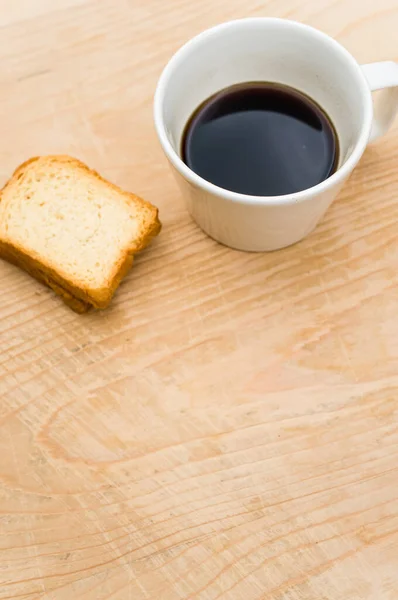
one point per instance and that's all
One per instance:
(262, 139)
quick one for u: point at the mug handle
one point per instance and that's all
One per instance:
(383, 76)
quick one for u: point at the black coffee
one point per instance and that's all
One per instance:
(262, 139)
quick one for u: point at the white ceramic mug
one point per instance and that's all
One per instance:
(265, 49)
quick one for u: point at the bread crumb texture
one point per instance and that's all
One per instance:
(72, 229)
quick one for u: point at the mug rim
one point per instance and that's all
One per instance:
(342, 172)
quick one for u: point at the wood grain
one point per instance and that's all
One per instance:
(228, 429)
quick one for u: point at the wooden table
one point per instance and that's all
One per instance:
(228, 429)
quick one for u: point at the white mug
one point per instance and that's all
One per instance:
(282, 51)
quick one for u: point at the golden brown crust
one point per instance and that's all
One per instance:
(21, 259)
(76, 305)
(76, 296)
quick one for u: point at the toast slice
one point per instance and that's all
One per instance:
(71, 229)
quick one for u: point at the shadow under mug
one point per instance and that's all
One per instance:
(282, 51)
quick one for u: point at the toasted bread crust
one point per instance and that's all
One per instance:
(81, 298)
(49, 277)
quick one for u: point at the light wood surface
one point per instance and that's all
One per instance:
(228, 429)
